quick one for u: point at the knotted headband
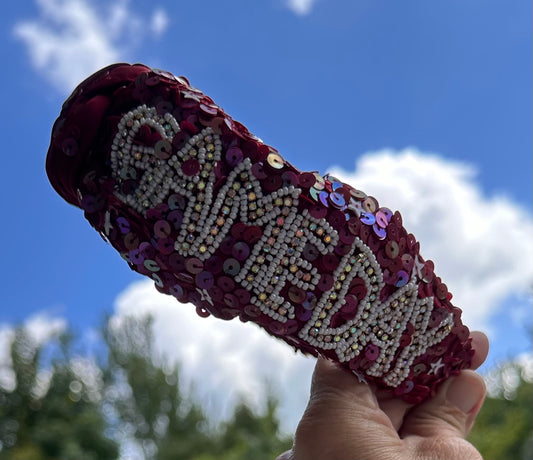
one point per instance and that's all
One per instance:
(217, 218)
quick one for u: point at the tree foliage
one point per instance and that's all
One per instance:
(504, 427)
(61, 421)
(140, 404)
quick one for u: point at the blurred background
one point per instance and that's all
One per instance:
(425, 105)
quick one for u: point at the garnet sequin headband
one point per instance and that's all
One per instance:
(219, 219)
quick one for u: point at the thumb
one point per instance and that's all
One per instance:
(448, 416)
(341, 413)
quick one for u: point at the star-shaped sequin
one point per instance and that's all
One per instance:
(194, 96)
(436, 367)
(205, 297)
(107, 224)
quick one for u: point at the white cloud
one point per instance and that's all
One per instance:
(41, 327)
(224, 359)
(481, 245)
(478, 243)
(159, 22)
(300, 7)
(72, 38)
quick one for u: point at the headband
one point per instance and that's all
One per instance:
(217, 218)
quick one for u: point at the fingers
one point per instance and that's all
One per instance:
(450, 414)
(286, 456)
(349, 412)
(394, 408)
(480, 343)
(342, 413)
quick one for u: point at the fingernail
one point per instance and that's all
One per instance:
(465, 392)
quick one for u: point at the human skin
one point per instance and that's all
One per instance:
(347, 420)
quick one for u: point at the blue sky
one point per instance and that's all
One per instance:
(428, 103)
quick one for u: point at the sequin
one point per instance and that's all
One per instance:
(314, 193)
(123, 225)
(243, 295)
(419, 368)
(275, 160)
(392, 249)
(357, 194)
(252, 234)
(158, 281)
(240, 251)
(231, 267)
(306, 180)
(346, 235)
(176, 262)
(289, 178)
(152, 80)
(317, 211)
(350, 304)
(427, 272)
(225, 283)
(165, 246)
(310, 252)
(326, 282)
(320, 183)
(296, 294)
(176, 201)
(151, 265)
(380, 232)
(163, 149)
(69, 147)
(162, 229)
(175, 218)
(323, 198)
(194, 265)
(387, 213)
(408, 262)
(337, 219)
(147, 250)
(136, 257)
(371, 352)
(211, 110)
(234, 156)
(258, 171)
(381, 219)
(337, 200)
(190, 167)
(442, 291)
(329, 262)
(370, 204)
(272, 183)
(368, 218)
(232, 301)
(205, 280)
(177, 291)
(131, 241)
(403, 278)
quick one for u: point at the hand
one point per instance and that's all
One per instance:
(348, 420)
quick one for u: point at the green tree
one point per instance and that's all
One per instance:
(147, 399)
(504, 427)
(251, 435)
(168, 424)
(58, 422)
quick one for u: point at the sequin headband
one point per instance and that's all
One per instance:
(219, 219)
